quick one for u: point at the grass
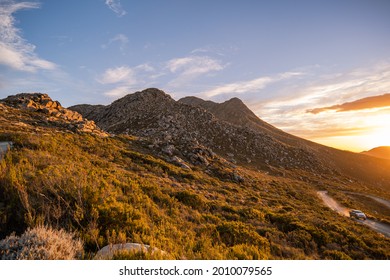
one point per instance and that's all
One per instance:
(112, 190)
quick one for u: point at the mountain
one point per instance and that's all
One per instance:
(379, 152)
(149, 170)
(236, 112)
(230, 130)
(153, 114)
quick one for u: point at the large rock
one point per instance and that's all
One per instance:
(108, 251)
(40, 102)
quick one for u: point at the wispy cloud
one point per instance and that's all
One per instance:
(121, 39)
(118, 91)
(194, 65)
(371, 102)
(16, 52)
(191, 67)
(326, 90)
(62, 39)
(121, 74)
(239, 87)
(146, 67)
(124, 79)
(248, 86)
(116, 7)
(358, 89)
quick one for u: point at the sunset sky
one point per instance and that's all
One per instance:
(316, 69)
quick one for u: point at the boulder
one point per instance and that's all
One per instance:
(108, 251)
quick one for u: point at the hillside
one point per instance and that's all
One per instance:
(379, 152)
(187, 198)
(233, 132)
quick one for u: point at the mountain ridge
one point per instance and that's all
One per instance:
(164, 182)
(158, 116)
(231, 130)
(379, 152)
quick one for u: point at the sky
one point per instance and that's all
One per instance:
(317, 69)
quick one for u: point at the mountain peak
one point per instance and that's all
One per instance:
(235, 100)
(149, 93)
(192, 100)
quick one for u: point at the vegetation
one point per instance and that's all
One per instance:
(111, 190)
(41, 243)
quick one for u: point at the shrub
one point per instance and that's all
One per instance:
(41, 243)
(190, 199)
(335, 255)
(235, 233)
(246, 252)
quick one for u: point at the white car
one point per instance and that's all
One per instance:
(357, 214)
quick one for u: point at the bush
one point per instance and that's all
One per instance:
(335, 255)
(190, 199)
(41, 243)
(236, 233)
(246, 252)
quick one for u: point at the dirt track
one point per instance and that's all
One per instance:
(334, 205)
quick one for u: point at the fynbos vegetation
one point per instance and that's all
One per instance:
(123, 188)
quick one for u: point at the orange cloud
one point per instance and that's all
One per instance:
(378, 101)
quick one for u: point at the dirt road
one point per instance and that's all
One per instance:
(334, 205)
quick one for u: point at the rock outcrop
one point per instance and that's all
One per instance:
(40, 102)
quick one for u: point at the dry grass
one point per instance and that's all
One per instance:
(41, 243)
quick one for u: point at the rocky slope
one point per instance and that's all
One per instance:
(236, 112)
(347, 163)
(194, 134)
(185, 127)
(51, 112)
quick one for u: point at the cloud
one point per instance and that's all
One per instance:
(324, 90)
(118, 91)
(194, 65)
(117, 75)
(371, 102)
(290, 108)
(16, 52)
(240, 87)
(124, 79)
(249, 86)
(116, 7)
(190, 68)
(145, 67)
(119, 38)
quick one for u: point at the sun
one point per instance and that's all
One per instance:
(379, 134)
(374, 132)
(379, 137)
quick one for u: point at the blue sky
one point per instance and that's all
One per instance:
(282, 58)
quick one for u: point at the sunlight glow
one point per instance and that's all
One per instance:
(377, 135)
